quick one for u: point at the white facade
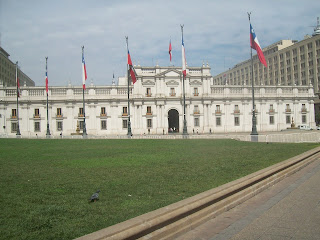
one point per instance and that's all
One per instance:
(156, 105)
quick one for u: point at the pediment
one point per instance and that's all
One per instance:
(148, 83)
(195, 83)
(169, 73)
(172, 83)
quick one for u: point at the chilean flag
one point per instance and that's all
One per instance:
(47, 81)
(131, 69)
(254, 43)
(170, 50)
(184, 61)
(84, 73)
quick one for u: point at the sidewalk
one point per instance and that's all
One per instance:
(288, 210)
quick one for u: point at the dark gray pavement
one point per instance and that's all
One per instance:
(288, 210)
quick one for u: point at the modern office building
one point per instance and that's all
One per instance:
(8, 72)
(290, 63)
(156, 106)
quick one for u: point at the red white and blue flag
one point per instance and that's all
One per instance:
(131, 69)
(184, 61)
(47, 81)
(170, 50)
(84, 73)
(254, 43)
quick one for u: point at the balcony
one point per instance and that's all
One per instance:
(13, 116)
(124, 114)
(148, 94)
(103, 115)
(288, 110)
(36, 115)
(149, 113)
(236, 111)
(271, 111)
(172, 94)
(59, 116)
(196, 94)
(80, 115)
(304, 110)
(196, 112)
(218, 112)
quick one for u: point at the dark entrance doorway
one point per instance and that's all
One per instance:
(173, 121)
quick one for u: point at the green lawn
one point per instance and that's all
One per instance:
(45, 184)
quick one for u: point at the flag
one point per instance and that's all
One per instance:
(84, 73)
(131, 69)
(47, 81)
(254, 43)
(184, 61)
(170, 49)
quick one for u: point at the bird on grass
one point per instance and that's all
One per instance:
(94, 197)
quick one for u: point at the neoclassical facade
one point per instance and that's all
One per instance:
(156, 106)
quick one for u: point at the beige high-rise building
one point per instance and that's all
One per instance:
(290, 63)
(8, 72)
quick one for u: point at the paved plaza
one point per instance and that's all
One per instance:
(288, 210)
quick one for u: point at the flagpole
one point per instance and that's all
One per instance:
(254, 132)
(48, 130)
(84, 132)
(17, 79)
(129, 122)
(185, 131)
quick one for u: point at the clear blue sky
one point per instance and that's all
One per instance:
(214, 31)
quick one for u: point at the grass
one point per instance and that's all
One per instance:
(45, 184)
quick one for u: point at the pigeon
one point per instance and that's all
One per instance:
(94, 196)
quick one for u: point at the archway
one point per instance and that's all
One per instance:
(173, 121)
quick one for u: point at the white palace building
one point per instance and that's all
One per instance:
(156, 106)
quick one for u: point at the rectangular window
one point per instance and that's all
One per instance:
(172, 92)
(149, 123)
(196, 109)
(14, 113)
(236, 121)
(271, 120)
(304, 119)
(271, 108)
(196, 122)
(81, 125)
(218, 121)
(59, 126)
(303, 109)
(59, 112)
(148, 94)
(288, 108)
(36, 113)
(103, 124)
(103, 111)
(236, 109)
(37, 126)
(195, 92)
(14, 127)
(288, 120)
(218, 110)
(125, 111)
(149, 110)
(80, 112)
(124, 123)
